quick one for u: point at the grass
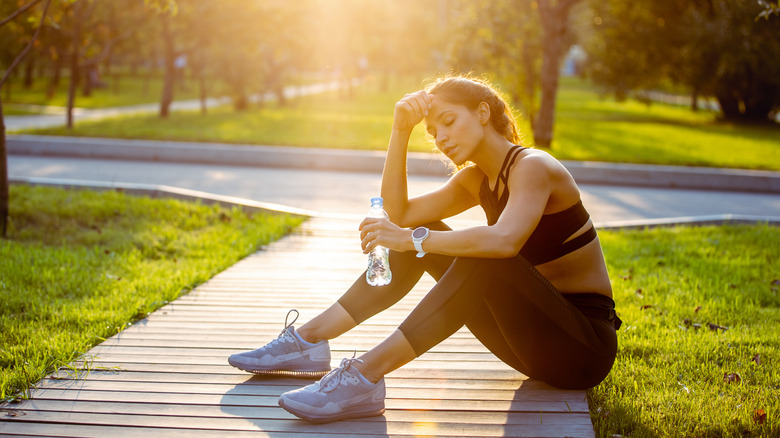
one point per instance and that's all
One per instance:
(120, 90)
(588, 127)
(80, 266)
(674, 376)
(328, 120)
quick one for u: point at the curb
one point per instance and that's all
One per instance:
(584, 172)
(162, 191)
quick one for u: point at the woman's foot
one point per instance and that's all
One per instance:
(288, 355)
(343, 393)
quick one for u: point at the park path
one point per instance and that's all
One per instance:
(167, 375)
(56, 116)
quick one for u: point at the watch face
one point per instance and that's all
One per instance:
(419, 233)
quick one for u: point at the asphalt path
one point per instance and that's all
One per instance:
(349, 192)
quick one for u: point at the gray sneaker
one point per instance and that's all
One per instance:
(343, 393)
(286, 356)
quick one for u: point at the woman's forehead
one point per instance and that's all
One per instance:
(439, 107)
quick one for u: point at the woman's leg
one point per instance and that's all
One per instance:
(362, 301)
(531, 325)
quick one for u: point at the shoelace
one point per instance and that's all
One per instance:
(337, 374)
(285, 332)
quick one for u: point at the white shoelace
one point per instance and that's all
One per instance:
(346, 363)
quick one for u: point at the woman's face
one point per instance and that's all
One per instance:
(455, 128)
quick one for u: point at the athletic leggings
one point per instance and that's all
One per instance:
(565, 340)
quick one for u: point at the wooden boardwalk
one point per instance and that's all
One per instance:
(168, 375)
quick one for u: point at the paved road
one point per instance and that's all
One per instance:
(348, 192)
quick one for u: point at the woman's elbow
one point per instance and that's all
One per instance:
(506, 248)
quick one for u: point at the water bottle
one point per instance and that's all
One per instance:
(378, 272)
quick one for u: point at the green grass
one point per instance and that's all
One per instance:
(328, 120)
(120, 90)
(80, 266)
(668, 379)
(588, 127)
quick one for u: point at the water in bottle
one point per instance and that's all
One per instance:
(378, 272)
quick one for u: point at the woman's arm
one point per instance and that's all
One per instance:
(530, 186)
(450, 199)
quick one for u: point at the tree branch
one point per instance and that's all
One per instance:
(29, 45)
(19, 11)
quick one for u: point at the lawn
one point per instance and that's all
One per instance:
(588, 127)
(80, 266)
(119, 90)
(698, 350)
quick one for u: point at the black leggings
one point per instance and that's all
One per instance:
(565, 340)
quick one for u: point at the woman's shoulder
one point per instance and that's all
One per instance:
(470, 177)
(537, 160)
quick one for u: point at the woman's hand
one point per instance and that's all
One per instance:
(381, 232)
(410, 110)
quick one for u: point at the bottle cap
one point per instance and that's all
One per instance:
(376, 200)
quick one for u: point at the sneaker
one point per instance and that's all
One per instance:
(343, 393)
(288, 355)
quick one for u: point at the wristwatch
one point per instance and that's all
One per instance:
(418, 235)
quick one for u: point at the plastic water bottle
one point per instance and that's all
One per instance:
(378, 272)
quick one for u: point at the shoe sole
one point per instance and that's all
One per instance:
(330, 419)
(280, 373)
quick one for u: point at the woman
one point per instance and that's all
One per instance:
(531, 285)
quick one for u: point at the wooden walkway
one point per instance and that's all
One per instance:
(168, 374)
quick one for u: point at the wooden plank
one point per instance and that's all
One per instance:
(404, 372)
(423, 405)
(270, 389)
(96, 431)
(254, 412)
(372, 426)
(245, 379)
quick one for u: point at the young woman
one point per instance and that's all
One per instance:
(531, 285)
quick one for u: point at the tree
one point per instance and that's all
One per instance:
(3, 148)
(554, 16)
(522, 42)
(502, 37)
(713, 47)
(87, 25)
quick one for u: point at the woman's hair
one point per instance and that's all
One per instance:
(470, 92)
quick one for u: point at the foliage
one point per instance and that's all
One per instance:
(504, 38)
(698, 349)
(713, 47)
(79, 266)
(770, 8)
(521, 42)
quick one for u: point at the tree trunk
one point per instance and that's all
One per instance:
(169, 56)
(29, 76)
(74, 79)
(202, 92)
(88, 81)
(529, 98)
(75, 52)
(554, 17)
(729, 105)
(4, 197)
(55, 78)
(3, 149)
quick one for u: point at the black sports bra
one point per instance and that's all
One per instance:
(548, 240)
